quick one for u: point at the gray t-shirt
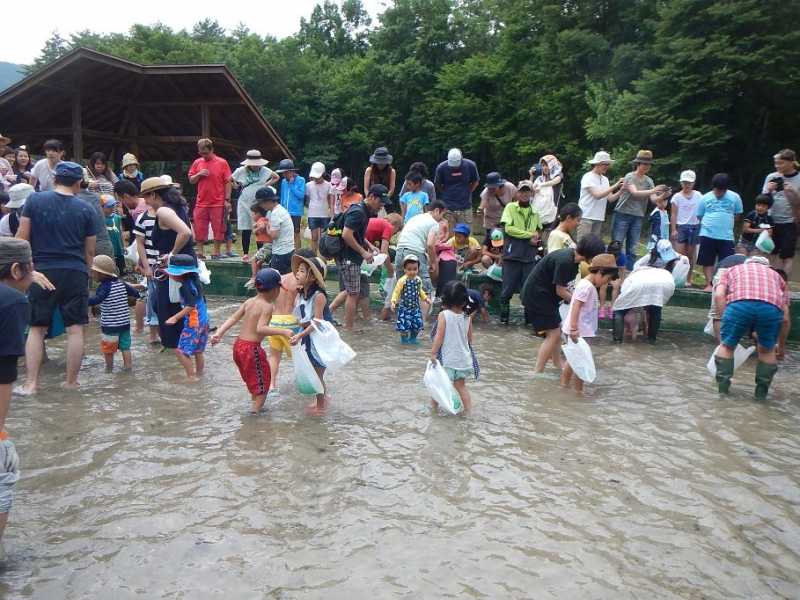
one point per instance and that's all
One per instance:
(45, 176)
(629, 205)
(781, 211)
(103, 244)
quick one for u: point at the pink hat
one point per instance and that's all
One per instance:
(336, 177)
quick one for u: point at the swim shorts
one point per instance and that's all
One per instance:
(111, 342)
(194, 335)
(251, 360)
(280, 343)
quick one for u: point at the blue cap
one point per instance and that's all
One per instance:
(461, 228)
(266, 193)
(110, 203)
(69, 170)
(181, 264)
(267, 279)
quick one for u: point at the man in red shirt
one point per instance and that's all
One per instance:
(212, 176)
(750, 297)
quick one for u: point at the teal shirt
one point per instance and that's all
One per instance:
(114, 227)
(717, 214)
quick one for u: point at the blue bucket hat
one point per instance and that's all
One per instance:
(181, 264)
(69, 170)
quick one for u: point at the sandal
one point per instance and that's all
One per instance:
(246, 258)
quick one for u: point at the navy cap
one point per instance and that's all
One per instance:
(69, 170)
(461, 228)
(494, 180)
(267, 279)
(266, 193)
(380, 191)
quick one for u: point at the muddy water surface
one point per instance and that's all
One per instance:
(650, 486)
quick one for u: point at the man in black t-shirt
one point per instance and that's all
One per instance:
(546, 287)
(355, 250)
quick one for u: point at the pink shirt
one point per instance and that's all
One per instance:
(587, 320)
(211, 188)
(754, 281)
(140, 208)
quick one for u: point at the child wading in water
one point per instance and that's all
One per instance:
(452, 344)
(255, 315)
(192, 344)
(581, 321)
(115, 315)
(406, 299)
(311, 303)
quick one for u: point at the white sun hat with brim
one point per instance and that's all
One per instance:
(254, 159)
(601, 158)
(18, 193)
(688, 176)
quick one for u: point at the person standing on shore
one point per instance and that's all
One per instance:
(595, 195)
(212, 176)
(784, 187)
(717, 211)
(456, 179)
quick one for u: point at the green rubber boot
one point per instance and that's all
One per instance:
(764, 374)
(724, 373)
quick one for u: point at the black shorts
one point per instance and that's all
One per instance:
(296, 222)
(282, 263)
(713, 250)
(8, 369)
(785, 237)
(544, 321)
(71, 297)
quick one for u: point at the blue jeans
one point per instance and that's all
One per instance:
(743, 316)
(628, 229)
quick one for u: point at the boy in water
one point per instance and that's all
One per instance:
(255, 315)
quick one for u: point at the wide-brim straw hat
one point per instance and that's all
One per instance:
(254, 159)
(603, 261)
(317, 266)
(154, 184)
(601, 157)
(644, 157)
(105, 265)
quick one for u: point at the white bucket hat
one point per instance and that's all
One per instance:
(454, 157)
(18, 193)
(317, 170)
(601, 158)
(688, 176)
(254, 159)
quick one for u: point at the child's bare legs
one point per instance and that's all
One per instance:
(547, 349)
(274, 360)
(338, 301)
(139, 314)
(200, 363)
(566, 375)
(127, 360)
(320, 403)
(315, 240)
(109, 361)
(603, 293)
(363, 304)
(188, 365)
(463, 393)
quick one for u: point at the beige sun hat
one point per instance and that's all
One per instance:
(254, 159)
(129, 159)
(317, 266)
(601, 157)
(105, 265)
(154, 184)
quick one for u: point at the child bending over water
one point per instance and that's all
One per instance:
(311, 303)
(192, 344)
(581, 321)
(255, 315)
(406, 299)
(453, 340)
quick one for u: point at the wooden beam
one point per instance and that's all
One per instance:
(205, 121)
(173, 103)
(77, 128)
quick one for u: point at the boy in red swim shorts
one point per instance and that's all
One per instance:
(255, 315)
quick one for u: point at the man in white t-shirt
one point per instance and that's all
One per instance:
(595, 195)
(44, 171)
(418, 237)
(320, 203)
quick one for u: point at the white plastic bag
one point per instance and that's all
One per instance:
(306, 233)
(174, 291)
(306, 379)
(680, 272)
(369, 268)
(333, 352)
(579, 357)
(388, 288)
(204, 275)
(495, 272)
(764, 242)
(132, 254)
(709, 328)
(563, 311)
(441, 388)
(740, 356)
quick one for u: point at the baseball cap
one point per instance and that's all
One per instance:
(317, 170)
(461, 228)
(494, 179)
(454, 157)
(267, 279)
(266, 193)
(497, 238)
(69, 170)
(379, 190)
(108, 201)
(665, 251)
(688, 176)
(525, 184)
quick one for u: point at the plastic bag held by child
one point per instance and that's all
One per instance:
(441, 388)
(132, 254)
(204, 276)
(332, 350)
(579, 357)
(305, 377)
(740, 356)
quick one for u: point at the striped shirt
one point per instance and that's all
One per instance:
(754, 281)
(112, 296)
(144, 228)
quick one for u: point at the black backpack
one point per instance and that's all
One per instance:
(330, 242)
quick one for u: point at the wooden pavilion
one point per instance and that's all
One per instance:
(97, 102)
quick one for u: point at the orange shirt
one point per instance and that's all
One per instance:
(262, 230)
(348, 199)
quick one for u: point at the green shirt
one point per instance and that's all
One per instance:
(114, 227)
(520, 222)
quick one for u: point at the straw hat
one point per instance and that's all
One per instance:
(254, 159)
(317, 266)
(643, 157)
(129, 159)
(600, 158)
(154, 184)
(105, 265)
(603, 261)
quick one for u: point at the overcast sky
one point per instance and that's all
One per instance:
(23, 39)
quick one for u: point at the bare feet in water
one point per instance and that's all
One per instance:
(318, 407)
(71, 386)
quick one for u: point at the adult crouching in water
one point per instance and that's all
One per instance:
(171, 235)
(750, 297)
(547, 286)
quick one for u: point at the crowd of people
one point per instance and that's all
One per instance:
(64, 223)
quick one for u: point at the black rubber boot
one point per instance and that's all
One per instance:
(618, 326)
(764, 374)
(654, 325)
(505, 311)
(724, 374)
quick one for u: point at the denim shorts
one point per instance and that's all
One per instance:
(743, 316)
(318, 222)
(688, 234)
(9, 474)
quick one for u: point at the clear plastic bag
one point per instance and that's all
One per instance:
(495, 272)
(441, 388)
(680, 272)
(132, 254)
(333, 352)
(709, 328)
(740, 356)
(765, 242)
(306, 379)
(369, 268)
(204, 276)
(579, 356)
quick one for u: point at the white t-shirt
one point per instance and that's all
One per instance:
(687, 207)
(646, 286)
(280, 219)
(317, 194)
(593, 208)
(414, 235)
(45, 176)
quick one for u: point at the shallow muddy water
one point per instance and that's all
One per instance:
(650, 486)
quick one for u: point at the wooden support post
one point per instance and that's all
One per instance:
(205, 121)
(133, 128)
(77, 128)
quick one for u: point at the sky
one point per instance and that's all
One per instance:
(280, 18)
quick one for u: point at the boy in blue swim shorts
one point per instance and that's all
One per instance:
(194, 336)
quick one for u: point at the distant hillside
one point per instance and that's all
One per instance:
(9, 74)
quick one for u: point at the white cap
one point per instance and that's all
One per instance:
(317, 170)
(600, 158)
(18, 193)
(454, 157)
(688, 176)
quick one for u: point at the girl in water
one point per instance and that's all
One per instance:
(407, 294)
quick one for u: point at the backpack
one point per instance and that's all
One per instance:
(330, 242)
